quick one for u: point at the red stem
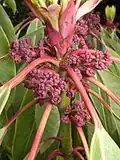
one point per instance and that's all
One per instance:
(103, 102)
(105, 89)
(114, 59)
(94, 35)
(85, 97)
(53, 138)
(24, 21)
(84, 141)
(78, 154)
(20, 112)
(21, 76)
(55, 153)
(39, 133)
(79, 148)
(100, 98)
(25, 25)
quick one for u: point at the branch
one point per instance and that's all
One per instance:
(55, 153)
(78, 154)
(20, 112)
(84, 141)
(85, 97)
(100, 98)
(114, 59)
(33, 152)
(105, 89)
(98, 39)
(21, 76)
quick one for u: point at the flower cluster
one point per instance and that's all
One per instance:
(23, 51)
(84, 26)
(89, 61)
(76, 113)
(46, 83)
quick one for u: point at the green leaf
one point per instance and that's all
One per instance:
(4, 43)
(4, 95)
(24, 130)
(37, 26)
(113, 83)
(6, 24)
(103, 147)
(7, 66)
(111, 43)
(3, 132)
(12, 4)
(7, 70)
(52, 126)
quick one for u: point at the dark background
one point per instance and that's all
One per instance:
(22, 10)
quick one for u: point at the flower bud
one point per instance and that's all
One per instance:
(110, 13)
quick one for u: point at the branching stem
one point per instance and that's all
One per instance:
(105, 89)
(21, 76)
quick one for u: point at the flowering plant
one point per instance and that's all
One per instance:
(65, 66)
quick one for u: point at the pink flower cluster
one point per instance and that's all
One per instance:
(76, 113)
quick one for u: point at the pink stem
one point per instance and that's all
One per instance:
(103, 102)
(94, 35)
(25, 25)
(82, 51)
(114, 59)
(55, 153)
(85, 97)
(33, 152)
(105, 89)
(78, 154)
(79, 148)
(53, 138)
(84, 141)
(21, 76)
(24, 21)
(100, 98)
(20, 112)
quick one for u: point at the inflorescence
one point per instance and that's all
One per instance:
(76, 113)
(46, 83)
(49, 84)
(85, 25)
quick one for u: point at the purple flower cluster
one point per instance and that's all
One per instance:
(93, 22)
(89, 61)
(84, 26)
(46, 83)
(23, 51)
(76, 113)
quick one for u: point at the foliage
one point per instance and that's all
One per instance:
(53, 121)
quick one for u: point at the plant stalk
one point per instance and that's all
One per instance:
(33, 152)
(21, 76)
(115, 59)
(105, 89)
(84, 141)
(23, 109)
(78, 155)
(85, 97)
